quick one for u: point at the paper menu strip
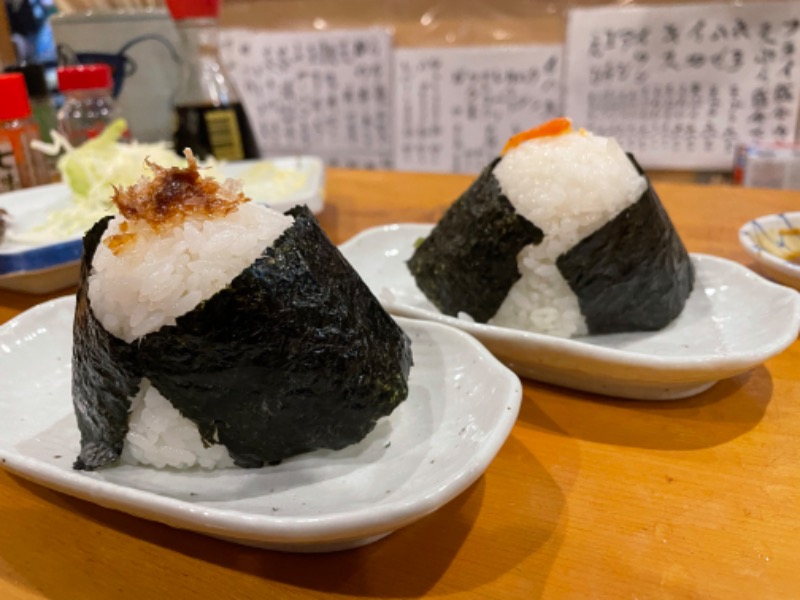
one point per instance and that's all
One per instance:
(679, 86)
(321, 92)
(454, 108)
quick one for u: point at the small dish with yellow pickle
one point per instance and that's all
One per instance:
(774, 242)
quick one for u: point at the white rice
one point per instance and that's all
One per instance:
(569, 186)
(159, 435)
(157, 278)
(163, 275)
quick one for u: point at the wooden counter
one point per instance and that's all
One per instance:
(589, 498)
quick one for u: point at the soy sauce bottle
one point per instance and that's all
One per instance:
(209, 118)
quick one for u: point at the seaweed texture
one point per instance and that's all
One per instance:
(104, 374)
(468, 263)
(296, 354)
(632, 274)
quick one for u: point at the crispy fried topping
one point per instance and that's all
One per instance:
(172, 195)
(175, 193)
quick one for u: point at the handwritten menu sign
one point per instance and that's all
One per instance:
(680, 85)
(322, 92)
(454, 108)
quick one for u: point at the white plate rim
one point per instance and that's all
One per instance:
(239, 526)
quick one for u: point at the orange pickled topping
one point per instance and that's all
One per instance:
(558, 126)
(117, 243)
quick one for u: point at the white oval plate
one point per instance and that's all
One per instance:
(760, 239)
(461, 407)
(733, 321)
(46, 267)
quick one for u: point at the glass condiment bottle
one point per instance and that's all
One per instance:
(20, 165)
(88, 105)
(209, 117)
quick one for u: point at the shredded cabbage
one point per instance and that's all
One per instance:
(268, 182)
(90, 171)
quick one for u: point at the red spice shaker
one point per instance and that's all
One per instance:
(20, 165)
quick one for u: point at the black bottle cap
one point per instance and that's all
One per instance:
(34, 78)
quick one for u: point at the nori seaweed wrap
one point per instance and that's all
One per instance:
(463, 266)
(545, 242)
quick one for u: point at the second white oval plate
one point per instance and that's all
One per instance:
(461, 406)
(733, 321)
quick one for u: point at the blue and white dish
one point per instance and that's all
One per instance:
(44, 267)
(774, 242)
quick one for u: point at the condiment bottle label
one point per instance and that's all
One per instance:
(9, 173)
(223, 134)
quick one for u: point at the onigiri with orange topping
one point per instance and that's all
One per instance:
(562, 234)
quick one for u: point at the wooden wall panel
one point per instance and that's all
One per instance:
(422, 22)
(7, 55)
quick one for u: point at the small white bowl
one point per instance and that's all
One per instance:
(765, 240)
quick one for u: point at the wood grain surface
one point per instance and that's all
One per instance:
(589, 498)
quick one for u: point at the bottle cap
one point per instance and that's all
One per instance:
(34, 78)
(15, 104)
(193, 9)
(84, 77)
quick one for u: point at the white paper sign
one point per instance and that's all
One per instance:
(454, 108)
(679, 86)
(325, 93)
